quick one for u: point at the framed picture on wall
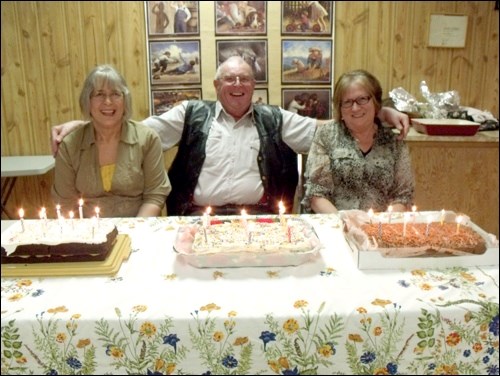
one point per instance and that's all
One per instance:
(315, 103)
(175, 62)
(306, 61)
(260, 96)
(240, 18)
(307, 18)
(173, 18)
(253, 51)
(164, 99)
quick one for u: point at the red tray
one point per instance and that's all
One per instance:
(445, 127)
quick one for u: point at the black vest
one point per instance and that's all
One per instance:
(277, 162)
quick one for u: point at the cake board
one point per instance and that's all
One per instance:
(110, 266)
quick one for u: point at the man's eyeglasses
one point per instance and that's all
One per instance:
(232, 79)
(101, 96)
(359, 100)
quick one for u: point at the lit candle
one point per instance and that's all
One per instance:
(389, 209)
(459, 220)
(289, 232)
(80, 208)
(21, 216)
(97, 211)
(71, 216)
(282, 210)
(58, 211)
(405, 220)
(414, 212)
(206, 217)
(442, 217)
(244, 221)
(370, 215)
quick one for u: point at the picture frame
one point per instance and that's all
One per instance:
(307, 18)
(163, 99)
(260, 96)
(240, 18)
(315, 103)
(253, 51)
(306, 61)
(173, 18)
(175, 62)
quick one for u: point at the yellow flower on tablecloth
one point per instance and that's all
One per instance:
(326, 351)
(425, 287)
(83, 343)
(240, 341)
(76, 316)
(210, 307)
(61, 337)
(381, 371)
(381, 302)
(148, 329)
(21, 360)
(283, 362)
(418, 272)
(467, 276)
(116, 352)
(273, 364)
(377, 331)
(477, 347)
(361, 310)
(15, 297)
(57, 309)
(218, 336)
(355, 338)
(232, 314)
(453, 339)
(291, 326)
(170, 368)
(24, 282)
(300, 304)
(139, 308)
(229, 324)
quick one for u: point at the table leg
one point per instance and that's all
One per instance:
(7, 187)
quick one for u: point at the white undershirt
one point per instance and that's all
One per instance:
(230, 174)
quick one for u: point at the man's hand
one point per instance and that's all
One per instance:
(58, 132)
(396, 119)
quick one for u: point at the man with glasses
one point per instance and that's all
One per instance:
(232, 153)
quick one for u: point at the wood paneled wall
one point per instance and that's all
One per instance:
(49, 47)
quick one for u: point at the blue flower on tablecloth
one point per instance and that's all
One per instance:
(294, 371)
(467, 353)
(490, 350)
(432, 366)
(154, 373)
(206, 373)
(37, 292)
(443, 287)
(266, 336)
(493, 369)
(494, 325)
(367, 357)
(392, 368)
(171, 340)
(403, 283)
(52, 372)
(230, 362)
(486, 359)
(74, 363)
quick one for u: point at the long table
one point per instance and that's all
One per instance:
(159, 315)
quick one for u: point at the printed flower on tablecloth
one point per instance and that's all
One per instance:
(222, 351)
(140, 347)
(297, 348)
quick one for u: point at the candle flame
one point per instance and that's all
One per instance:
(80, 202)
(21, 212)
(71, 214)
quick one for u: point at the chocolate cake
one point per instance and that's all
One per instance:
(36, 241)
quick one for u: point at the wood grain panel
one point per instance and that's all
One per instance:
(462, 177)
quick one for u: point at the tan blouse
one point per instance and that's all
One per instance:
(139, 175)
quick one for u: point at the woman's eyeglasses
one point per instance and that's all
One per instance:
(101, 96)
(348, 103)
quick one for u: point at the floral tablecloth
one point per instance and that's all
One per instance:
(158, 315)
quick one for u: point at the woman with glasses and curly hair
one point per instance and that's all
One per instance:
(354, 161)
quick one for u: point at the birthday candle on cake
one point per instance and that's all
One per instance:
(429, 220)
(206, 217)
(370, 215)
(58, 211)
(282, 210)
(389, 209)
(71, 217)
(442, 216)
(289, 231)
(80, 208)
(459, 220)
(244, 221)
(414, 212)
(97, 211)
(21, 216)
